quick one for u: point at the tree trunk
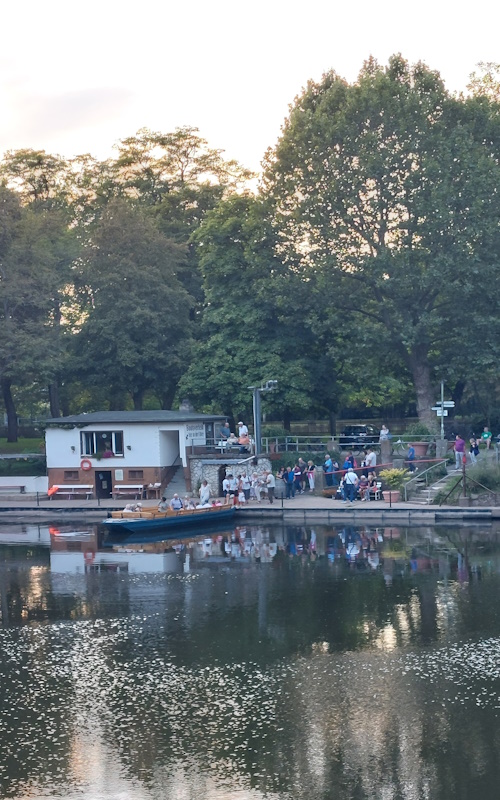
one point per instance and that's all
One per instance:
(287, 419)
(332, 418)
(55, 407)
(138, 398)
(167, 398)
(10, 409)
(424, 390)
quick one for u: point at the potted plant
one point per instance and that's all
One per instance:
(394, 479)
(418, 435)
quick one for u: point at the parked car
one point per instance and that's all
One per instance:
(363, 435)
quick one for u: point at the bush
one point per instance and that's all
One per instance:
(22, 466)
(417, 432)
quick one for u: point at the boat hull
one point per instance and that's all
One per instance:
(169, 523)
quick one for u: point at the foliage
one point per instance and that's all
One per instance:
(394, 478)
(23, 446)
(22, 466)
(417, 432)
(385, 190)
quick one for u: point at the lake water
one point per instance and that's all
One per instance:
(270, 662)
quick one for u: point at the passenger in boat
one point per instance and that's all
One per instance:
(189, 503)
(163, 504)
(176, 503)
(131, 507)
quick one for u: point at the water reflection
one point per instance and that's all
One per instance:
(260, 662)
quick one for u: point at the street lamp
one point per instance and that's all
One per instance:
(268, 386)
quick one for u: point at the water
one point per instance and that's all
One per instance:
(275, 667)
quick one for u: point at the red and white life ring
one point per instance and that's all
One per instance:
(86, 464)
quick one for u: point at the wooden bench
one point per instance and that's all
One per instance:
(129, 490)
(78, 490)
(14, 487)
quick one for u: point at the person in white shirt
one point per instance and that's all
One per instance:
(371, 460)
(245, 482)
(204, 492)
(242, 430)
(271, 485)
(350, 485)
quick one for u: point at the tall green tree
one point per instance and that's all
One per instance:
(387, 190)
(36, 250)
(136, 333)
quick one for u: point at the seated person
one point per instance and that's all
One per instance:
(176, 503)
(189, 503)
(363, 485)
(232, 440)
(244, 442)
(163, 504)
(130, 507)
(372, 485)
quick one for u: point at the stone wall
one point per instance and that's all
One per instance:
(214, 474)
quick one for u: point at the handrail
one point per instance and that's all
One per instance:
(421, 474)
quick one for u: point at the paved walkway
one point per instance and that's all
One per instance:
(306, 504)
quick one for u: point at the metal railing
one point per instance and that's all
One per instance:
(425, 474)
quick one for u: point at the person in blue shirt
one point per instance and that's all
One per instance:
(328, 469)
(410, 457)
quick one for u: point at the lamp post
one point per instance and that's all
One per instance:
(268, 386)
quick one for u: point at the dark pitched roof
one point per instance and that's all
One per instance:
(115, 417)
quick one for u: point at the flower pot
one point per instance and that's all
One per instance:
(420, 448)
(392, 496)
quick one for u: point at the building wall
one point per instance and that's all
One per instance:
(201, 470)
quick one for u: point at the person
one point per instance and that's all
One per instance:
(289, 479)
(271, 485)
(130, 507)
(486, 437)
(371, 459)
(242, 429)
(176, 503)
(328, 470)
(163, 504)
(233, 488)
(363, 486)
(226, 487)
(245, 480)
(225, 434)
(241, 493)
(189, 503)
(384, 433)
(350, 485)
(303, 468)
(310, 475)
(410, 457)
(473, 449)
(256, 486)
(244, 443)
(204, 492)
(297, 473)
(459, 448)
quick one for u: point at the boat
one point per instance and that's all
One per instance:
(150, 518)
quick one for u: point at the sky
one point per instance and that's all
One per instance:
(75, 77)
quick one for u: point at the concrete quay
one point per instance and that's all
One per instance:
(306, 509)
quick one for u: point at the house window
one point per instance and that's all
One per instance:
(70, 475)
(136, 474)
(102, 443)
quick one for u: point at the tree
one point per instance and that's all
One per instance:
(259, 321)
(36, 250)
(136, 332)
(387, 190)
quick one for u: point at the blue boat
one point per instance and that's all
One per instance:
(151, 519)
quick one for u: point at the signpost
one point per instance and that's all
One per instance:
(441, 408)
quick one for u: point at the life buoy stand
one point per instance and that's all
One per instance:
(89, 557)
(86, 464)
(52, 491)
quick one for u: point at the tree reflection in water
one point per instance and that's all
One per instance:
(286, 663)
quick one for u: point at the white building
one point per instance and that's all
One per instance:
(109, 449)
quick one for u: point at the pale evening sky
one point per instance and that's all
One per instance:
(77, 76)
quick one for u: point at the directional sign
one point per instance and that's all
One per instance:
(445, 403)
(442, 412)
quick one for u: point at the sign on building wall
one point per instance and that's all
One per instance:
(118, 474)
(195, 431)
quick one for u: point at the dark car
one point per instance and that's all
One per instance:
(359, 435)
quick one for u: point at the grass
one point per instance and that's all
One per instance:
(22, 446)
(488, 475)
